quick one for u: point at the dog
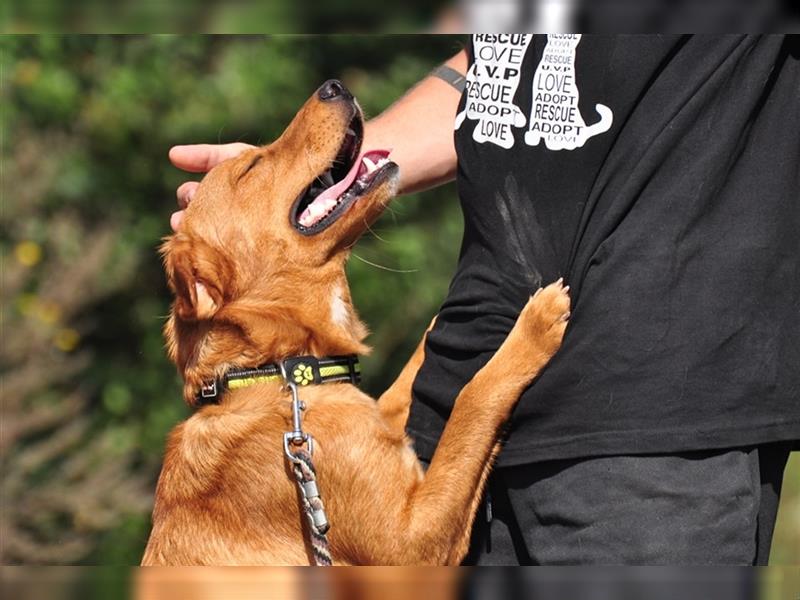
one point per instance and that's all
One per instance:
(258, 273)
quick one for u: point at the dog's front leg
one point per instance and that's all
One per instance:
(395, 403)
(442, 509)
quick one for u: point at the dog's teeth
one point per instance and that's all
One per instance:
(350, 131)
(371, 166)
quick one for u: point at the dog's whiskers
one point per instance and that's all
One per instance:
(373, 232)
(376, 265)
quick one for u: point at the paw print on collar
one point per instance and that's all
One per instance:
(302, 374)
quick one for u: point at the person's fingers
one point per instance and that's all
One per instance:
(185, 193)
(200, 158)
(175, 220)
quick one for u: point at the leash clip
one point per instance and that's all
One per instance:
(289, 441)
(297, 437)
(303, 468)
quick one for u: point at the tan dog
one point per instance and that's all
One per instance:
(258, 271)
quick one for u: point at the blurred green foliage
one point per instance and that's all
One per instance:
(87, 190)
(220, 16)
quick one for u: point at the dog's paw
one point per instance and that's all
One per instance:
(544, 318)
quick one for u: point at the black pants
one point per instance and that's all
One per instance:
(698, 508)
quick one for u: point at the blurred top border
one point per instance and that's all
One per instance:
(410, 16)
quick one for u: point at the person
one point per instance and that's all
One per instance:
(659, 176)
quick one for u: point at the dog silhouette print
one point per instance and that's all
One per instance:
(555, 116)
(492, 81)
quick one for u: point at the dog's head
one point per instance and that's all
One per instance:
(257, 267)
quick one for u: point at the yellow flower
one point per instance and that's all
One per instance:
(47, 312)
(28, 253)
(66, 339)
(44, 311)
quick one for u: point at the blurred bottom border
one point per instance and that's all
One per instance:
(402, 583)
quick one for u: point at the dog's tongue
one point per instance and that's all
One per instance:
(326, 201)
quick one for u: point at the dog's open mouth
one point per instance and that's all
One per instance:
(351, 175)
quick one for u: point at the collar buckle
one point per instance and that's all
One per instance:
(209, 390)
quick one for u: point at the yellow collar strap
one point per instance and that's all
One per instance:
(300, 370)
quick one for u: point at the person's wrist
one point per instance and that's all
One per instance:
(373, 135)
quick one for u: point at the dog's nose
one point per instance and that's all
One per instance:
(332, 89)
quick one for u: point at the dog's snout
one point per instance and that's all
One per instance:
(333, 89)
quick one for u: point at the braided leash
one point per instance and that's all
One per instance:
(305, 474)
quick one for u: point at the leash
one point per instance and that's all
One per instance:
(306, 474)
(298, 445)
(312, 504)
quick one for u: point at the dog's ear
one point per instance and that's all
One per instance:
(196, 275)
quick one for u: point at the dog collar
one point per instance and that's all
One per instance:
(300, 370)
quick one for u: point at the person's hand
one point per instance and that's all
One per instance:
(198, 158)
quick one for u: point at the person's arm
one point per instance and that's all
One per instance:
(418, 128)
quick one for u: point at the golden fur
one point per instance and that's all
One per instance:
(249, 289)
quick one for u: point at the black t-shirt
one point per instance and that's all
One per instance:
(660, 175)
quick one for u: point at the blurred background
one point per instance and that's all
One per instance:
(410, 16)
(88, 395)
